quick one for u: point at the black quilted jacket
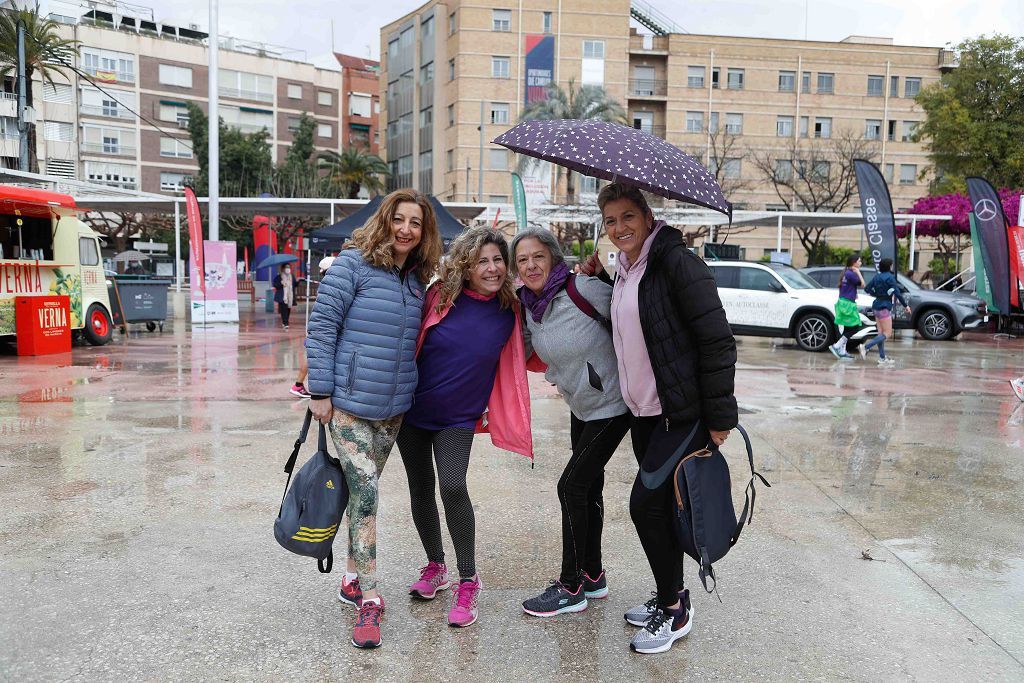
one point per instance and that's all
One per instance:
(691, 346)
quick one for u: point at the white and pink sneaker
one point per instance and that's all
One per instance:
(433, 578)
(464, 602)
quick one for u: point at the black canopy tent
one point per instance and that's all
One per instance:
(333, 237)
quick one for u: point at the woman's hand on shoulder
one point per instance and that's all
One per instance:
(592, 266)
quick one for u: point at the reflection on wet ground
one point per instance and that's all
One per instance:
(140, 481)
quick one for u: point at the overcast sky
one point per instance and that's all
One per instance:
(306, 24)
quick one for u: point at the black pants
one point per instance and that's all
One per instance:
(286, 313)
(450, 448)
(580, 491)
(653, 509)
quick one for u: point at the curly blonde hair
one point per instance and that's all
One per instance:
(376, 239)
(461, 259)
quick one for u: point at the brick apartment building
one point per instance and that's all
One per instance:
(360, 101)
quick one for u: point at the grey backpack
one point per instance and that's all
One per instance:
(312, 508)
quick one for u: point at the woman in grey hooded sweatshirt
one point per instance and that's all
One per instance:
(567, 330)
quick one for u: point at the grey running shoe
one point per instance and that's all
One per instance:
(639, 615)
(663, 629)
(556, 599)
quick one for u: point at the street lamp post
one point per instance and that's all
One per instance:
(213, 161)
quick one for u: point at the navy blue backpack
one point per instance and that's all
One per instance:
(312, 508)
(706, 521)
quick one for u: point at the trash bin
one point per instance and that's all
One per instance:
(143, 301)
(270, 300)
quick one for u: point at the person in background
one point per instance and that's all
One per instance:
(284, 292)
(847, 314)
(361, 347)
(884, 288)
(299, 388)
(576, 348)
(470, 360)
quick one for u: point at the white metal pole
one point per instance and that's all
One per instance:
(778, 236)
(913, 242)
(214, 128)
(177, 246)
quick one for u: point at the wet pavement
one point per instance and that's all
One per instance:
(140, 481)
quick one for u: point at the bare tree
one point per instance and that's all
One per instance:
(118, 227)
(725, 157)
(815, 174)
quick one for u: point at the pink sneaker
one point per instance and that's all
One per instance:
(464, 602)
(433, 578)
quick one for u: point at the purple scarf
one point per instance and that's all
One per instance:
(538, 304)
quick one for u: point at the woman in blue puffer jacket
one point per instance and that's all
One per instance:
(884, 288)
(361, 348)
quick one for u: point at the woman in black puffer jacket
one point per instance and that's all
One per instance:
(677, 361)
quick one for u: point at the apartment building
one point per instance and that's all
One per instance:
(125, 125)
(360, 102)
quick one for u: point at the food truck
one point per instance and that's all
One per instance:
(46, 250)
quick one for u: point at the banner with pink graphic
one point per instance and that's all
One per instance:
(221, 301)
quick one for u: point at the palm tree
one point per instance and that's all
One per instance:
(43, 46)
(583, 102)
(352, 169)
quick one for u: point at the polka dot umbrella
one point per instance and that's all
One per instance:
(620, 154)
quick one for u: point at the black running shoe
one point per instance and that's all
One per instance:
(556, 599)
(595, 588)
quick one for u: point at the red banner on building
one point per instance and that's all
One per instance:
(195, 237)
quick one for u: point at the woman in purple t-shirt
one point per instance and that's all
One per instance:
(847, 315)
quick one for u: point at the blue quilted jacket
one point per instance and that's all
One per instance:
(361, 344)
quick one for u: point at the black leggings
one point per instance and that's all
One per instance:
(451, 449)
(653, 509)
(286, 313)
(580, 494)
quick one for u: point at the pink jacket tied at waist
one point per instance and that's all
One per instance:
(508, 408)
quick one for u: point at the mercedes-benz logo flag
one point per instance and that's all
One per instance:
(995, 251)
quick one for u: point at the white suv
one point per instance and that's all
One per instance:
(776, 300)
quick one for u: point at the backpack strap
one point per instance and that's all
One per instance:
(290, 465)
(584, 305)
(750, 493)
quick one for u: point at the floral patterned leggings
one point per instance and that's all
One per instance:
(363, 447)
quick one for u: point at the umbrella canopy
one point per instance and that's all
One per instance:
(620, 154)
(130, 255)
(276, 260)
(333, 237)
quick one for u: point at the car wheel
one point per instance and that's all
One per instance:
(813, 332)
(935, 324)
(98, 328)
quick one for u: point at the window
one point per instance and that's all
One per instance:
(174, 112)
(173, 182)
(911, 86)
(716, 77)
(100, 139)
(694, 121)
(892, 132)
(593, 49)
(451, 115)
(359, 104)
(588, 185)
(873, 129)
(783, 170)
(293, 124)
(248, 119)
(324, 98)
(426, 73)
(894, 86)
(784, 126)
(734, 124)
(426, 118)
(909, 127)
(88, 255)
(820, 170)
(758, 280)
(732, 168)
(450, 160)
(178, 76)
(60, 93)
(113, 103)
(876, 86)
(890, 169)
(713, 122)
(324, 130)
(500, 67)
(427, 27)
(805, 82)
(908, 174)
(497, 159)
(107, 65)
(116, 175)
(58, 131)
(499, 113)
(172, 147)
(294, 91)
(735, 77)
(804, 124)
(787, 81)
(826, 83)
(695, 77)
(451, 69)
(546, 23)
(501, 20)
(246, 86)
(497, 199)
(822, 127)
(452, 24)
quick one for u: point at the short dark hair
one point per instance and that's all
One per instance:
(614, 191)
(886, 265)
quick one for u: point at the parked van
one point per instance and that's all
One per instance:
(45, 250)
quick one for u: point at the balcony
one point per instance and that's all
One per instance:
(108, 149)
(645, 87)
(948, 60)
(648, 44)
(249, 127)
(108, 112)
(242, 94)
(657, 131)
(108, 76)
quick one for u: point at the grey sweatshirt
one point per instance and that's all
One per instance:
(578, 351)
